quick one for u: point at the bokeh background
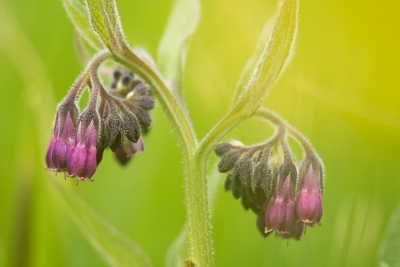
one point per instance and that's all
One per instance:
(341, 89)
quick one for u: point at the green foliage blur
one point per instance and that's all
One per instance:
(340, 89)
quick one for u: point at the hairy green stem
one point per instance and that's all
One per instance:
(196, 201)
(94, 66)
(82, 80)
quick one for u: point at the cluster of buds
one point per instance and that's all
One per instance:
(114, 118)
(268, 182)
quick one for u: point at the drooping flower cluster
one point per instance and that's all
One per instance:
(113, 118)
(285, 200)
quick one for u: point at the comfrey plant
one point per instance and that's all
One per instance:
(286, 196)
(267, 181)
(79, 140)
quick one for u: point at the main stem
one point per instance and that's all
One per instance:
(196, 200)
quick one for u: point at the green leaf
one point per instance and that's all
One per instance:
(274, 56)
(250, 67)
(98, 22)
(78, 15)
(105, 22)
(172, 50)
(112, 19)
(116, 248)
(267, 70)
(390, 248)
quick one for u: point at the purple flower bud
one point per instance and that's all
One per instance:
(280, 210)
(295, 232)
(82, 156)
(60, 144)
(260, 221)
(309, 204)
(49, 161)
(125, 152)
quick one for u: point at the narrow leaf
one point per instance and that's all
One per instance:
(268, 68)
(116, 248)
(78, 15)
(389, 252)
(98, 22)
(274, 56)
(105, 22)
(112, 19)
(172, 50)
(250, 67)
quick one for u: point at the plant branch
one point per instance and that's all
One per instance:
(264, 113)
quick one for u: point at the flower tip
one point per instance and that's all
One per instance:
(283, 232)
(85, 178)
(311, 223)
(267, 230)
(71, 175)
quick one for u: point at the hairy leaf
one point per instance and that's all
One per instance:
(267, 70)
(274, 56)
(98, 22)
(105, 22)
(112, 21)
(248, 71)
(78, 15)
(389, 252)
(171, 52)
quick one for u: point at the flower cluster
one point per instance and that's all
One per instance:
(113, 118)
(284, 198)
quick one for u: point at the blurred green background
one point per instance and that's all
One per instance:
(341, 89)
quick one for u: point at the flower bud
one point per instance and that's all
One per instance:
(221, 149)
(295, 232)
(309, 204)
(228, 183)
(60, 144)
(260, 221)
(235, 184)
(114, 130)
(280, 210)
(142, 116)
(82, 162)
(67, 107)
(49, 162)
(260, 181)
(141, 97)
(131, 126)
(229, 160)
(125, 152)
